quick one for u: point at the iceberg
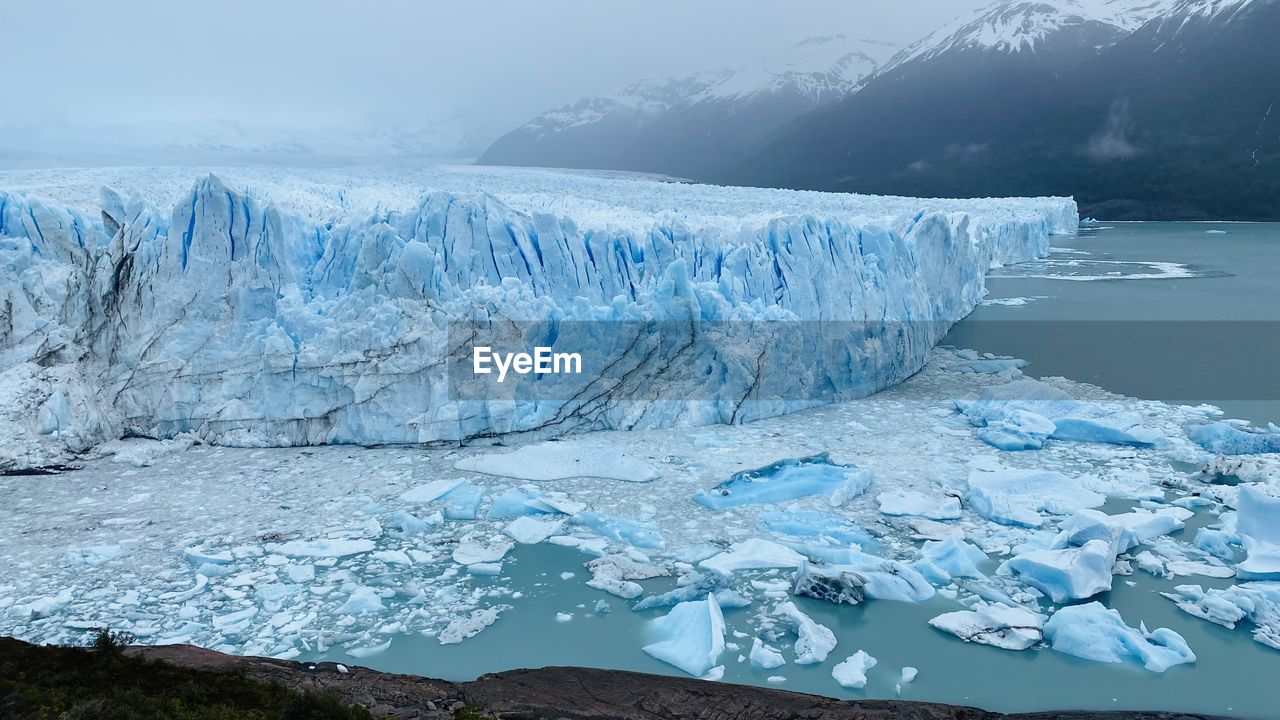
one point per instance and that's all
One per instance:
(1021, 415)
(275, 317)
(816, 525)
(690, 637)
(1123, 532)
(943, 560)
(1068, 574)
(814, 642)
(1002, 626)
(787, 480)
(1256, 602)
(840, 587)
(765, 657)
(1227, 439)
(753, 554)
(852, 672)
(915, 504)
(1094, 632)
(1017, 497)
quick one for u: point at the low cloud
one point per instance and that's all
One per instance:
(1112, 143)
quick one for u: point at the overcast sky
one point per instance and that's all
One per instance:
(402, 63)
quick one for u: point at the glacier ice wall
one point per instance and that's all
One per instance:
(245, 323)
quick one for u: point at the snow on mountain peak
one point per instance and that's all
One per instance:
(818, 68)
(1014, 25)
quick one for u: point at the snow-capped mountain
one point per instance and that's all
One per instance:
(1013, 26)
(682, 125)
(1138, 108)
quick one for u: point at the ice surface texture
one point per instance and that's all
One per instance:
(247, 321)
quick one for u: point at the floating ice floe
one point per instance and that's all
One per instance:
(751, 555)
(616, 574)
(951, 558)
(529, 531)
(633, 532)
(1074, 573)
(1094, 632)
(816, 525)
(1002, 626)
(1229, 439)
(814, 642)
(1021, 415)
(852, 672)
(1122, 532)
(834, 585)
(765, 657)
(788, 480)
(560, 461)
(1017, 497)
(1255, 602)
(471, 551)
(324, 548)
(916, 504)
(690, 637)
(990, 366)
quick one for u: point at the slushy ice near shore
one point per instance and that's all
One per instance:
(302, 313)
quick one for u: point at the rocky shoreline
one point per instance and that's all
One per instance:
(566, 693)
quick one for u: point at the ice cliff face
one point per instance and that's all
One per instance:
(245, 323)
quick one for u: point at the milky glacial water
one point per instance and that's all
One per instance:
(1196, 318)
(1140, 309)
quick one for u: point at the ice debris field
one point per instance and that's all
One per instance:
(231, 321)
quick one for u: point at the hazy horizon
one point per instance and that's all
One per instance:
(449, 74)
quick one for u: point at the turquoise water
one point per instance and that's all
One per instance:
(1173, 335)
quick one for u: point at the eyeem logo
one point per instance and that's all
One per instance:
(543, 361)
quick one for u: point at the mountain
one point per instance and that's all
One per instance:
(685, 126)
(1141, 110)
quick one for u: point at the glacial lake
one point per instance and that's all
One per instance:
(1163, 296)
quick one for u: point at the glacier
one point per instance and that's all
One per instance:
(281, 312)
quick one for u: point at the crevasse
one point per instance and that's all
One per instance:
(246, 324)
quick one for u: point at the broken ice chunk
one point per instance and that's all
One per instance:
(1019, 413)
(1094, 632)
(910, 503)
(814, 524)
(690, 637)
(814, 642)
(950, 558)
(787, 480)
(1229, 439)
(430, 491)
(561, 460)
(852, 673)
(1066, 574)
(362, 600)
(753, 554)
(462, 502)
(1002, 626)
(639, 534)
(1122, 532)
(471, 551)
(832, 585)
(324, 548)
(530, 531)
(1016, 497)
(765, 657)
